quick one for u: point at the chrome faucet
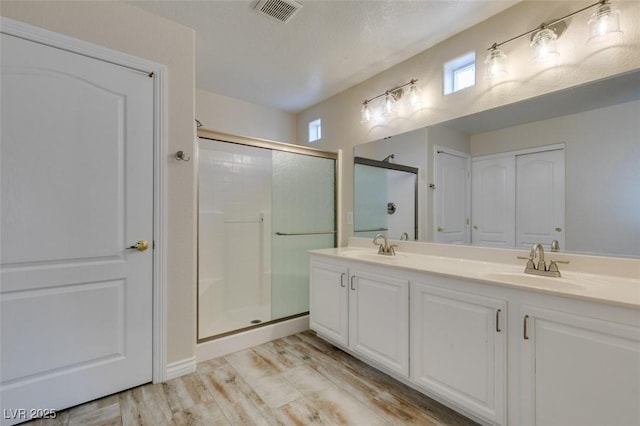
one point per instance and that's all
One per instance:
(539, 250)
(541, 268)
(384, 248)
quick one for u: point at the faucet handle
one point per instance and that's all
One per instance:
(523, 257)
(566, 262)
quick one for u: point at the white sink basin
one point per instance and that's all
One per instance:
(561, 283)
(374, 257)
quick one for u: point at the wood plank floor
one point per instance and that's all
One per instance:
(297, 380)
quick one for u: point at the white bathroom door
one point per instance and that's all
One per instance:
(540, 199)
(76, 191)
(451, 198)
(493, 202)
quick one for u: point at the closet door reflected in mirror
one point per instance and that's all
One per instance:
(518, 199)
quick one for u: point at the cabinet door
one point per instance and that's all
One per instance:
(493, 202)
(458, 344)
(379, 319)
(328, 301)
(579, 371)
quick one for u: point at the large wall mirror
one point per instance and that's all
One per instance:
(563, 166)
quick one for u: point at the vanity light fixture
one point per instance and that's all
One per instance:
(414, 94)
(604, 21)
(389, 100)
(391, 97)
(496, 63)
(543, 43)
(365, 112)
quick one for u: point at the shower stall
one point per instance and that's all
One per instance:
(385, 199)
(261, 206)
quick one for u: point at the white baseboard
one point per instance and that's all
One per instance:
(250, 338)
(180, 368)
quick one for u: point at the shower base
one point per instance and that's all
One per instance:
(236, 319)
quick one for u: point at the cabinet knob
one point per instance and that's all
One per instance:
(440, 229)
(342, 284)
(558, 229)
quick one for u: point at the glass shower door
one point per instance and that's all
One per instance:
(303, 218)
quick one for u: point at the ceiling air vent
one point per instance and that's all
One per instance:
(280, 10)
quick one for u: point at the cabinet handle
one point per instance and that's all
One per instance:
(352, 287)
(498, 320)
(526, 336)
(342, 280)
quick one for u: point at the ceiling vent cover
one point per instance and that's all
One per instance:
(280, 10)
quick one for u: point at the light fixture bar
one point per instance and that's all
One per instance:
(393, 92)
(545, 25)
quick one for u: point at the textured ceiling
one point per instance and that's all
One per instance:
(326, 48)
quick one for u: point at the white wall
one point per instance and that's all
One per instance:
(228, 115)
(602, 156)
(578, 64)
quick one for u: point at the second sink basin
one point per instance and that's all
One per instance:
(564, 282)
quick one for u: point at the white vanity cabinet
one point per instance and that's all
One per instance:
(328, 301)
(458, 346)
(579, 370)
(501, 354)
(379, 319)
(362, 310)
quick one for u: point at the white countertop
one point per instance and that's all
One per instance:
(619, 290)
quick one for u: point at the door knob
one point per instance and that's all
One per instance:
(141, 245)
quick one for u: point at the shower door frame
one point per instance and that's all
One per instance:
(265, 144)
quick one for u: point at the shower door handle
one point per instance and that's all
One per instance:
(288, 234)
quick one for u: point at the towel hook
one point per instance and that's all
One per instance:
(180, 156)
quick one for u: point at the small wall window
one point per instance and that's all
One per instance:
(460, 73)
(315, 130)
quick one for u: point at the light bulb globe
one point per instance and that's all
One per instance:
(544, 45)
(495, 64)
(604, 23)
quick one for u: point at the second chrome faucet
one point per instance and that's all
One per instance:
(541, 267)
(384, 248)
